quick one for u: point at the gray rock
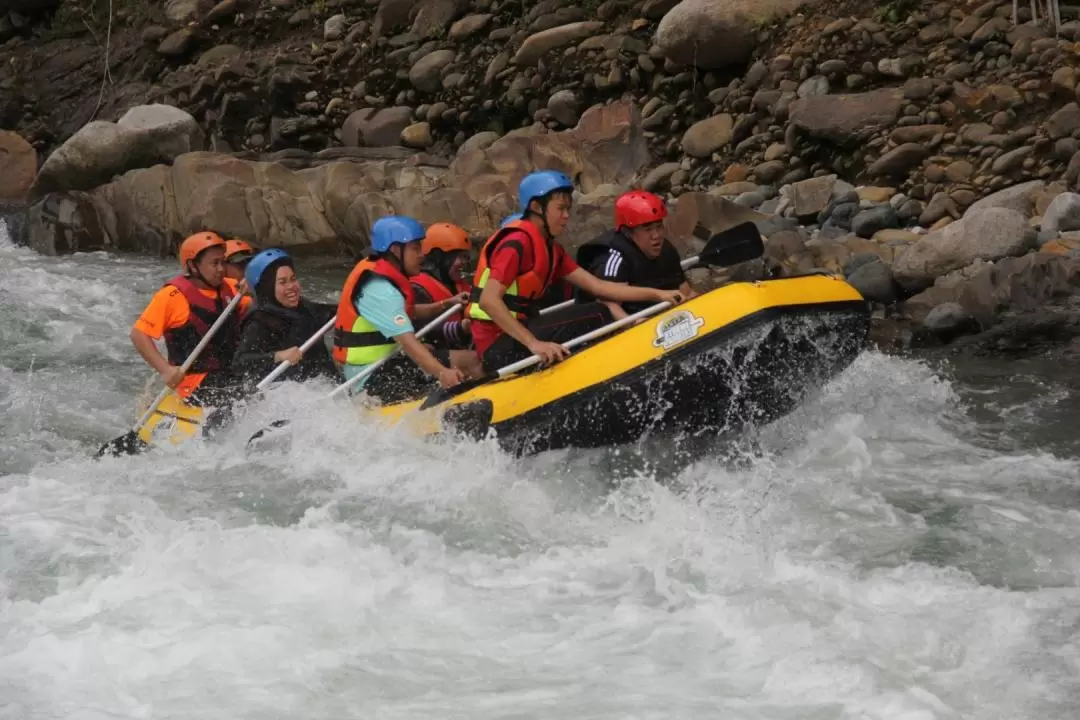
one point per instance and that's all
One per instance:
(987, 234)
(816, 85)
(145, 135)
(1020, 198)
(873, 280)
(899, 161)
(659, 178)
(1063, 214)
(426, 74)
(565, 107)
(810, 197)
(949, 319)
(869, 221)
(334, 28)
(705, 137)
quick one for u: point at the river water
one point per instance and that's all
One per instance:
(905, 547)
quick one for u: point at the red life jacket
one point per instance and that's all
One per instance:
(203, 312)
(346, 334)
(523, 296)
(432, 286)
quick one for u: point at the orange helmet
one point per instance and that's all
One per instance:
(197, 243)
(232, 247)
(446, 237)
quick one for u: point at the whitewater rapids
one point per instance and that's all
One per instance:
(904, 547)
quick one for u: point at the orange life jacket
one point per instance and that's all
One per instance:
(522, 297)
(354, 337)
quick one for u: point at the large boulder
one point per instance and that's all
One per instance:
(19, 162)
(987, 234)
(712, 34)
(146, 135)
(328, 202)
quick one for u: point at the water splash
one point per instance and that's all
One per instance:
(878, 555)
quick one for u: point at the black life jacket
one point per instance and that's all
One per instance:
(286, 328)
(663, 273)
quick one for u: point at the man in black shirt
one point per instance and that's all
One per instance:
(636, 252)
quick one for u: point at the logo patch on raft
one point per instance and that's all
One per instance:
(676, 329)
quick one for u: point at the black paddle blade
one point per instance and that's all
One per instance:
(470, 420)
(733, 246)
(127, 444)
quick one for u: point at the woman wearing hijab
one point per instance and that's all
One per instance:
(280, 323)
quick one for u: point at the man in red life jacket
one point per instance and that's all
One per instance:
(182, 311)
(441, 282)
(520, 263)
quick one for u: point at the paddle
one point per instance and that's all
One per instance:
(730, 247)
(686, 265)
(130, 443)
(308, 344)
(366, 372)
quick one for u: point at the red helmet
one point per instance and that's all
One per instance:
(638, 207)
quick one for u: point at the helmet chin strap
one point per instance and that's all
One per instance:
(542, 215)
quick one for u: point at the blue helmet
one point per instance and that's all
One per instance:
(509, 219)
(536, 185)
(395, 230)
(257, 266)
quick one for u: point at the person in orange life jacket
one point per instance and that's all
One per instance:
(519, 263)
(182, 311)
(441, 283)
(373, 319)
(636, 252)
(237, 255)
(280, 323)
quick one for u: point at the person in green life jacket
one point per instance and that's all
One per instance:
(374, 317)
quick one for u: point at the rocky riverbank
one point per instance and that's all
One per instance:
(926, 151)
